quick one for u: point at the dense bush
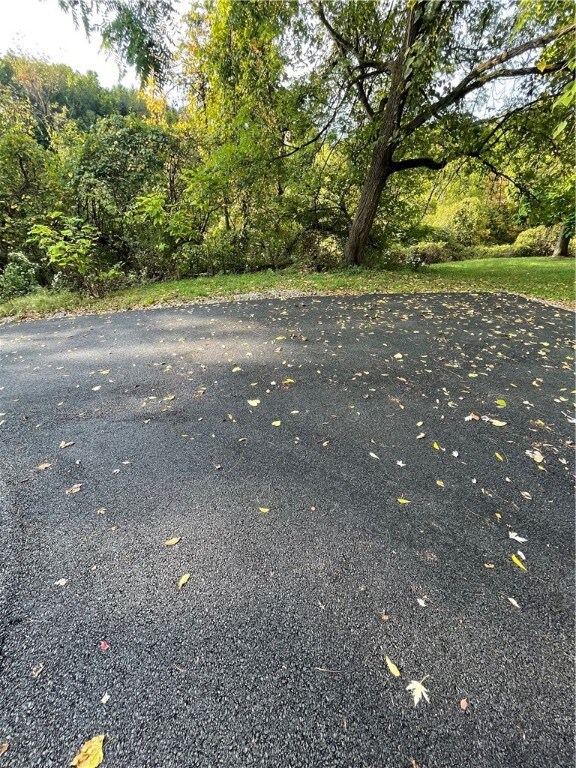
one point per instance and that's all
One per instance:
(18, 278)
(492, 252)
(537, 241)
(414, 256)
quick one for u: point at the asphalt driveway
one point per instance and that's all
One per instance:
(347, 479)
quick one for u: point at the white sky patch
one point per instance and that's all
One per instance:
(40, 29)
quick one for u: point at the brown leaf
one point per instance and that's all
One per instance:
(3, 748)
(74, 489)
(43, 466)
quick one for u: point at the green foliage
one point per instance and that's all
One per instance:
(18, 278)
(262, 162)
(538, 241)
(70, 245)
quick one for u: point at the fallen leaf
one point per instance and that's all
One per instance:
(421, 435)
(264, 510)
(488, 565)
(104, 646)
(464, 704)
(516, 560)
(421, 603)
(95, 389)
(436, 446)
(3, 748)
(392, 667)
(61, 583)
(64, 444)
(91, 754)
(276, 423)
(497, 423)
(514, 603)
(105, 699)
(253, 403)
(183, 580)
(418, 691)
(42, 467)
(384, 617)
(236, 369)
(514, 535)
(172, 541)
(403, 501)
(105, 372)
(37, 671)
(440, 483)
(373, 455)
(499, 457)
(74, 489)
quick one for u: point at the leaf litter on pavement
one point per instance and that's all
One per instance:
(457, 419)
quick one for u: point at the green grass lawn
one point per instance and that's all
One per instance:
(539, 277)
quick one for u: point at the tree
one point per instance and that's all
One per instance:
(413, 68)
(137, 30)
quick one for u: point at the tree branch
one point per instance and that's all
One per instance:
(419, 162)
(481, 75)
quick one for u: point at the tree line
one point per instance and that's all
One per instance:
(324, 134)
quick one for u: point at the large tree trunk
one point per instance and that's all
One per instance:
(375, 182)
(381, 162)
(562, 243)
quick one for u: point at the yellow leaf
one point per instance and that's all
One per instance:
(183, 580)
(440, 483)
(398, 356)
(276, 423)
(172, 541)
(516, 560)
(472, 375)
(288, 381)
(106, 372)
(498, 457)
(253, 403)
(91, 755)
(264, 510)
(436, 446)
(64, 444)
(392, 667)
(236, 369)
(169, 397)
(497, 423)
(403, 501)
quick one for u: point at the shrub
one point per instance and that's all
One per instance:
(432, 253)
(536, 241)
(493, 252)
(69, 243)
(18, 278)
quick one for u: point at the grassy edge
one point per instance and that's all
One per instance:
(494, 275)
